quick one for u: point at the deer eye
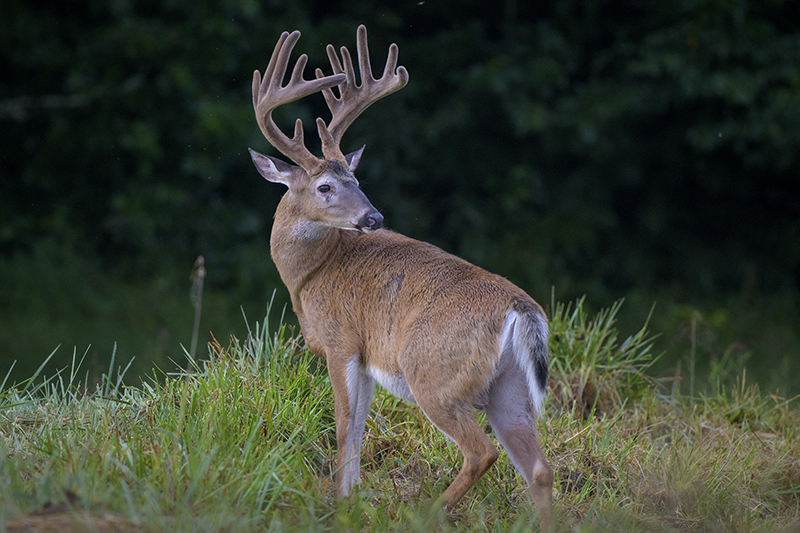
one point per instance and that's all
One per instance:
(324, 188)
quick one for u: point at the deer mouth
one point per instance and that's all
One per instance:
(364, 229)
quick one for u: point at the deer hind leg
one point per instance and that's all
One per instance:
(352, 397)
(457, 421)
(512, 418)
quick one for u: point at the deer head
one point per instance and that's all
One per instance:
(324, 191)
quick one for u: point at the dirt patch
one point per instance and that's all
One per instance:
(72, 523)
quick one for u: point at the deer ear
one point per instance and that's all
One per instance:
(273, 169)
(354, 157)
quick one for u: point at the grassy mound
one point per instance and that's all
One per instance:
(245, 441)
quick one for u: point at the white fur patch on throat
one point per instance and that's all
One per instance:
(309, 230)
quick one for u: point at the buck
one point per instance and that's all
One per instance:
(381, 307)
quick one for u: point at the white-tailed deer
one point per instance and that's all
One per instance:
(378, 306)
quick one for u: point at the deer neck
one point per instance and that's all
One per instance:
(300, 247)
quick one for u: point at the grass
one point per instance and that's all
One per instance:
(244, 440)
(56, 295)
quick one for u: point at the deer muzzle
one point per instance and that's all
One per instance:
(371, 222)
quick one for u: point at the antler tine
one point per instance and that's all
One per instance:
(362, 48)
(353, 100)
(268, 94)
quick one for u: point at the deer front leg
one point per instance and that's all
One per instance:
(352, 396)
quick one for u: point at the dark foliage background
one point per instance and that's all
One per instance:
(646, 148)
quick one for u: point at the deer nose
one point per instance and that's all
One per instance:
(372, 221)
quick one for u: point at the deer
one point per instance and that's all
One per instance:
(381, 307)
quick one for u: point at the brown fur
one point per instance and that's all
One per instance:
(378, 306)
(405, 307)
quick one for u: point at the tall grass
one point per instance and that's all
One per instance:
(592, 369)
(244, 440)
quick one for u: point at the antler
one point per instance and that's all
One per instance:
(353, 100)
(269, 94)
